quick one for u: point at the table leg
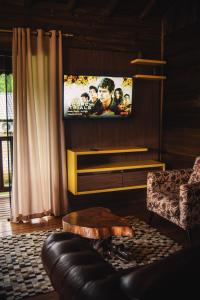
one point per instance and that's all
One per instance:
(106, 247)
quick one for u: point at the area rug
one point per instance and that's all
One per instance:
(147, 246)
(22, 274)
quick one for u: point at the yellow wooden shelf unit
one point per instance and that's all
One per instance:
(151, 77)
(150, 62)
(99, 151)
(115, 166)
(95, 171)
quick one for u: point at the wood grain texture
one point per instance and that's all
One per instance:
(97, 49)
(37, 224)
(151, 62)
(136, 177)
(99, 181)
(123, 204)
(89, 56)
(119, 165)
(96, 223)
(114, 133)
(106, 171)
(149, 77)
(90, 26)
(108, 150)
(181, 130)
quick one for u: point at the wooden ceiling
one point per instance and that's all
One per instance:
(92, 8)
(117, 24)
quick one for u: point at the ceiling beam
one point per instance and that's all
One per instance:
(29, 3)
(110, 7)
(70, 5)
(147, 9)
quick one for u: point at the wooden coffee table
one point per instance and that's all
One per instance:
(100, 224)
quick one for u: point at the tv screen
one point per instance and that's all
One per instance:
(97, 96)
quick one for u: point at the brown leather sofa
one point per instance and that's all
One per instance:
(78, 272)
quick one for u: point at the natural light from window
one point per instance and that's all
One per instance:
(6, 130)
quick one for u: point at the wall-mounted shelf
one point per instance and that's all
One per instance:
(151, 77)
(148, 69)
(107, 170)
(151, 62)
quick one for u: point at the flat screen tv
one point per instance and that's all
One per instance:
(97, 96)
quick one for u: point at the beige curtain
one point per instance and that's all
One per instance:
(39, 165)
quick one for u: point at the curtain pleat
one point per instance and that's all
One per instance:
(39, 158)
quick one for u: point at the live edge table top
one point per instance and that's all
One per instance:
(96, 223)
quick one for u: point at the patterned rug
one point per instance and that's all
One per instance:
(147, 246)
(22, 274)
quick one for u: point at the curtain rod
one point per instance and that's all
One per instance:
(35, 32)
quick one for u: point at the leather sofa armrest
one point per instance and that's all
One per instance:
(175, 277)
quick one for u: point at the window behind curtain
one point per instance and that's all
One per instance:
(6, 132)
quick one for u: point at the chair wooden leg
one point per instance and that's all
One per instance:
(151, 214)
(189, 236)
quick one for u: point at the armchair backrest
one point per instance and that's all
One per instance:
(195, 176)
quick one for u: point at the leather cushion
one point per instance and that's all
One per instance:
(175, 277)
(77, 271)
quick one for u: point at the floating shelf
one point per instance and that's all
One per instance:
(151, 62)
(151, 77)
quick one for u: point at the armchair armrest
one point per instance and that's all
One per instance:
(189, 204)
(167, 181)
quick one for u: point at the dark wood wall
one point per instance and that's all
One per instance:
(142, 129)
(101, 45)
(181, 130)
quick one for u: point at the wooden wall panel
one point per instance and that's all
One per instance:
(104, 47)
(181, 120)
(5, 42)
(88, 27)
(142, 129)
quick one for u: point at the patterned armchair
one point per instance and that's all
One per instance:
(175, 195)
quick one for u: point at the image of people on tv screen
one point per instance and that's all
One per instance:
(119, 101)
(85, 103)
(127, 101)
(108, 101)
(106, 104)
(103, 98)
(96, 103)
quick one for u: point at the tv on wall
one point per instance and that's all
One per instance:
(97, 96)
